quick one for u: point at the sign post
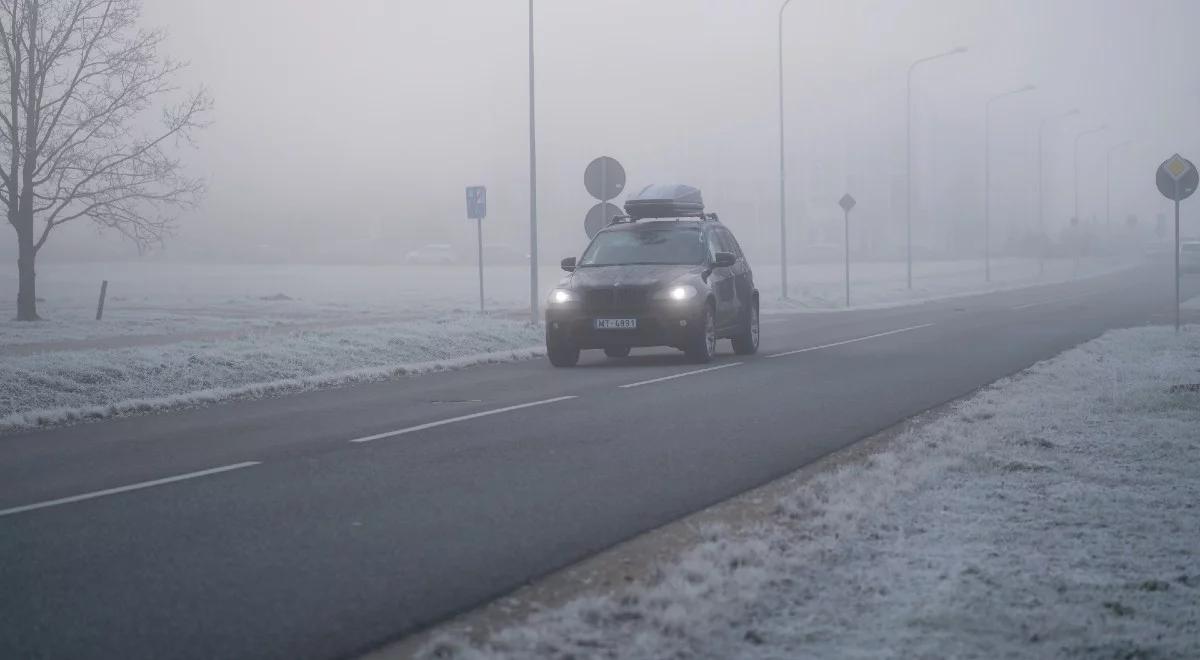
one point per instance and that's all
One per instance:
(1177, 179)
(847, 202)
(477, 211)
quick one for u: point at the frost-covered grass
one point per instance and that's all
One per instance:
(162, 298)
(72, 385)
(1054, 514)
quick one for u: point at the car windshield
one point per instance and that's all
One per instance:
(649, 245)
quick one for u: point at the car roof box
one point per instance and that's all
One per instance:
(665, 201)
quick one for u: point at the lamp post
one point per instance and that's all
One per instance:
(1042, 164)
(987, 176)
(1108, 184)
(1079, 137)
(533, 242)
(782, 166)
(908, 152)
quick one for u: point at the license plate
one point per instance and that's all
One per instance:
(616, 324)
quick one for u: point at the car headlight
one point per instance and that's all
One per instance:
(561, 296)
(678, 293)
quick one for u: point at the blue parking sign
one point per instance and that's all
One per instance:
(476, 202)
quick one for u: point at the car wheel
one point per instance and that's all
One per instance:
(617, 351)
(704, 343)
(560, 351)
(746, 341)
(563, 356)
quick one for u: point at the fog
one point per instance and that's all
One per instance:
(345, 132)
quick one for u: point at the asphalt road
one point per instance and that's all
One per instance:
(326, 524)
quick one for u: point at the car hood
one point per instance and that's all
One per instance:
(591, 277)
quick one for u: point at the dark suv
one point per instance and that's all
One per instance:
(681, 282)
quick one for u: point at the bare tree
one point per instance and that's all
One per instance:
(82, 78)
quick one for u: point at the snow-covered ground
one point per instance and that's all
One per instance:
(157, 298)
(64, 386)
(177, 334)
(1053, 514)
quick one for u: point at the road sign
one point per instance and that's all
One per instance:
(476, 202)
(599, 216)
(1177, 178)
(847, 202)
(604, 178)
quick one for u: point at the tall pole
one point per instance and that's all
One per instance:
(987, 176)
(847, 211)
(908, 154)
(1108, 185)
(1079, 137)
(782, 167)
(1041, 176)
(533, 242)
(1177, 257)
(479, 236)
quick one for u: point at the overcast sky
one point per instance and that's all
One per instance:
(363, 119)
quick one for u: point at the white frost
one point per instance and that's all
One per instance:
(1054, 514)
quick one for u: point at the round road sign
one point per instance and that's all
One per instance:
(604, 178)
(599, 217)
(1177, 178)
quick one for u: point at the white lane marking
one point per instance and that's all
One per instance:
(848, 341)
(686, 373)
(126, 489)
(1052, 301)
(461, 418)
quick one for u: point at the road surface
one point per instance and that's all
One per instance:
(328, 523)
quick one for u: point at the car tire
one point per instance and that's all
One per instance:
(563, 356)
(617, 351)
(703, 345)
(746, 341)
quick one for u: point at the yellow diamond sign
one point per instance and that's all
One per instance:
(1177, 167)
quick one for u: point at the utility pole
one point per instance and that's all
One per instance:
(533, 241)
(908, 153)
(782, 167)
(1108, 185)
(1079, 137)
(1041, 176)
(987, 176)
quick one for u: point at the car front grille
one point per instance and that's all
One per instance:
(617, 299)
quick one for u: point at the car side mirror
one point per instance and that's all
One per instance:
(724, 259)
(568, 264)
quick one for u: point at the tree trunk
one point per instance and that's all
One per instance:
(26, 291)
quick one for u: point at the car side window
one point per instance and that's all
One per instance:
(714, 244)
(729, 243)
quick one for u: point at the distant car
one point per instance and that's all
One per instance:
(439, 254)
(645, 281)
(1189, 257)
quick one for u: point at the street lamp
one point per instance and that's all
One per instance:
(987, 176)
(908, 151)
(1041, 169)
(1042, 163)
(782, 175)
(1108, 184)
(1079, 137)
(533, 242)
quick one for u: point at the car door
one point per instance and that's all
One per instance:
(743, 276)
(722, 281)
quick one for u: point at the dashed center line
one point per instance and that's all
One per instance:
(461, 418)
(848, 341)
(126, 489)
(681, 375)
